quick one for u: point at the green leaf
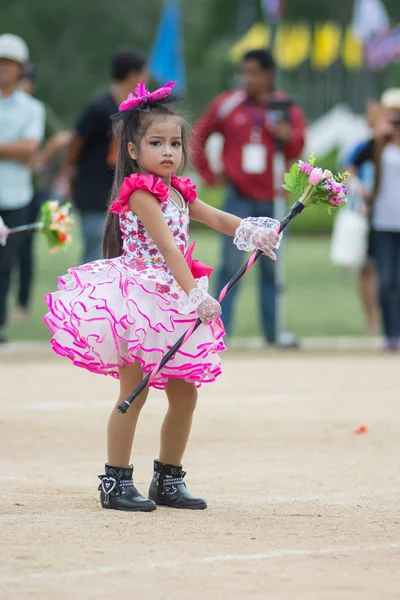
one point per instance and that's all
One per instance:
(294, 170)
(288, 179)
(289, 188)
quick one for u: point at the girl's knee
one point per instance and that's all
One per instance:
(182, 396)
(130, 377)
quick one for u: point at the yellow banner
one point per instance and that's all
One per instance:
(352, 51)
(292, 45)
(326, 47)
(296, 43)
(258, 36)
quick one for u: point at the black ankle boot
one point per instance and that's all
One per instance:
(118, 492)
(168, 488)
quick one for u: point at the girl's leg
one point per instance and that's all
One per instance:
(167, 487)
(175, 430)
(116, 489)
(121, 428)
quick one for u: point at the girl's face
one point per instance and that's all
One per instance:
(160, 150)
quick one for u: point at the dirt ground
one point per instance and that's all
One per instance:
(299, 506)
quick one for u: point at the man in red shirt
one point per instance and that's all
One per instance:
(255, 122)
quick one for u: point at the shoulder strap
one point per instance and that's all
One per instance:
(229, 104)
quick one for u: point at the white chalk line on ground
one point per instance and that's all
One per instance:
(90, 404)
(268, 398)
(323, 498)
(46, 576)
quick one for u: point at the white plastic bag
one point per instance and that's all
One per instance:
(349, 243)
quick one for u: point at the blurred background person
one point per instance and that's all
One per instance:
(251, 132)
(91, 153)
(360, 193)
(21, 131)
(46, 166)
(384, 205)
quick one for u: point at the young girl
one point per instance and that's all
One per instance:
(118, 316)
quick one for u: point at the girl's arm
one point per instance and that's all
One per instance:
(148, 210)
(214, 218)
(249, 234)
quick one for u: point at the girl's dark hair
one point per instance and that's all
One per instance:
(131, 126)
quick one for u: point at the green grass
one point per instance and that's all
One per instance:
(321, 300)
(314, 220)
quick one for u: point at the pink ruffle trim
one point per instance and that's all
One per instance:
(154, 185)
(113, 318)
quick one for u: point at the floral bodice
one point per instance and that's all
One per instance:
(140, 251)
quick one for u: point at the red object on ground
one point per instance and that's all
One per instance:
(361, 430)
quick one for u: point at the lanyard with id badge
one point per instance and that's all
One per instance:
(255, 154)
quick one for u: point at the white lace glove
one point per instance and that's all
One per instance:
(258, 233)
(3, 232)
(199, 301)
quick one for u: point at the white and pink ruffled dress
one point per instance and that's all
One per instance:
(111, 312)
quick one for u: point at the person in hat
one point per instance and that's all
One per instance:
(21, 131)
(365, 175)
(384, 208)
(47, 166)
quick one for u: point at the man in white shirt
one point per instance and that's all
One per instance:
(21, 131)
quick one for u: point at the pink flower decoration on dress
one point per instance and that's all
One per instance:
(185, 187)
(315, 177)
(142, 96)
(137, 181)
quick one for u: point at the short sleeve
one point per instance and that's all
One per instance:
(91, 122)
(138, 181)
(34, 129)
(184, 187)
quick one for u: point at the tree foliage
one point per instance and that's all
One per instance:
(71, 41)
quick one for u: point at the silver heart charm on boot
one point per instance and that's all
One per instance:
(108, 484)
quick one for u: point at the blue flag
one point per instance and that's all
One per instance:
(166, 59)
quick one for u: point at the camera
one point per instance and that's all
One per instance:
(279, 109)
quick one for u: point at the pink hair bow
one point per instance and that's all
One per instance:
(142, 96)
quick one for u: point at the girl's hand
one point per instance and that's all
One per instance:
(259, 233)
(266, 240)
(199, 301)
(209, 309)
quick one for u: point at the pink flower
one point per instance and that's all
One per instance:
(335, 201)
(162, 288)
(335, 187)
(315, 177)
(305, 167)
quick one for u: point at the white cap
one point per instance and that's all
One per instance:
(391, 98)
(13, 48)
